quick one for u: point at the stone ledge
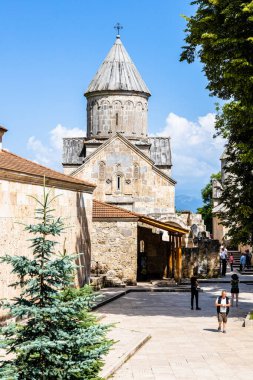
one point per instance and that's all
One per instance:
(128, 342)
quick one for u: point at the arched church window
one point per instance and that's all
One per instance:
(136, 171)
(117, 112)
(118, 182)
(101, 174)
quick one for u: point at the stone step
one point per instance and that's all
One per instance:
(247, 272)
(128, 342)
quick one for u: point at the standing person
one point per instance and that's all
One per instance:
(195, 292)
(248, 258)
(223, 257)
(242, 261)
(231, 262)
(222, 303)
(234, 288)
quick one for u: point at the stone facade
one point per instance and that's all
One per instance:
(17, 208)
(202, 261)
(126, 177)
(114, 245)
(116, 112)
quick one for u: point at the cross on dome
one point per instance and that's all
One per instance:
(118, 27)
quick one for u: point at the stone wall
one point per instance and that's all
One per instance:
(202, 261)
(108, 114)
(17, 207)
(114, 247)
(142, 188)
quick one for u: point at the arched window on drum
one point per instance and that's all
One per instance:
(117, 114)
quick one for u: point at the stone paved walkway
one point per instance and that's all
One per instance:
(185, 344)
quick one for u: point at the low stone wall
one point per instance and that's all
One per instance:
(202, 261)
(113, 249)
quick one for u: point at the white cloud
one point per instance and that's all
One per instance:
(195, 153)
(51, 154)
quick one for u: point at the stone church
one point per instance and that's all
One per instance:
(132, 172)
(131, 169)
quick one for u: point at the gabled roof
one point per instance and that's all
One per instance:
(20, 169)
(118, 73)
(131, 146)
(102, 210)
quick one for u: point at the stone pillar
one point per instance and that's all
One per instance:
(173, 257)
(176, 259)
(179, 259)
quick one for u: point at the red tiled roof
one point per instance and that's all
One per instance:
(105, 210)
(12, 163)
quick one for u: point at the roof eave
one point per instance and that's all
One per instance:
(88, 93)
(33, 179)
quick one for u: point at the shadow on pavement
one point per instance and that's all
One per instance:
(172, 304)
(169, 304)
(211, 330)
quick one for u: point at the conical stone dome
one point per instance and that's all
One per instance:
(117, 98)
(118, 73)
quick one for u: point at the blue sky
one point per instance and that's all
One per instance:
(51, 49)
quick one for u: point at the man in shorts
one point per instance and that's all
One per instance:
(223, 304)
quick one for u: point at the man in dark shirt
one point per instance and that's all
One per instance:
(195, 292)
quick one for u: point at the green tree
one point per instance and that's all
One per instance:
(220, 34)
(206, 209)
(57, 338)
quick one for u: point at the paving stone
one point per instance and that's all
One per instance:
(185, 344)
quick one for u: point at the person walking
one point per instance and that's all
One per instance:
(242, 262)
(223, 257)
(231, 262)
(234, 288)
(222, 304)
(195, 292)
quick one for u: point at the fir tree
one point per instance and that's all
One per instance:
(56, 336)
